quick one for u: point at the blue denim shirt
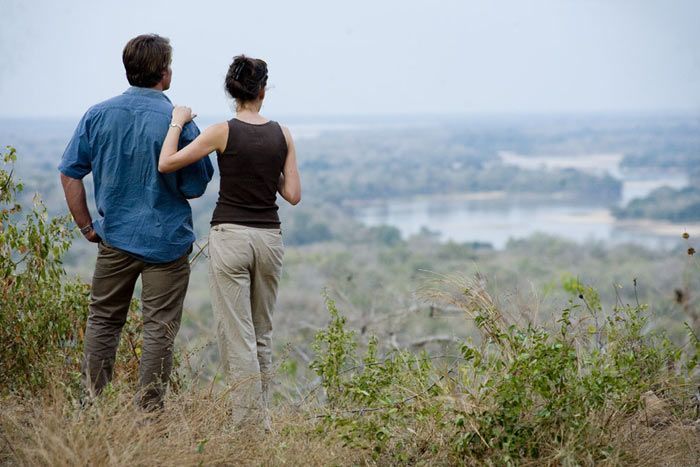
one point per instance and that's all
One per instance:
(141, 211)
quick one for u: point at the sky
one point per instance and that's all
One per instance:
(364, 57)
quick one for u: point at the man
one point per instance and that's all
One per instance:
(144, 226)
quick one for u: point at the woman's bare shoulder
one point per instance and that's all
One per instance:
(218, 128)
(285, 130)
(217, 135)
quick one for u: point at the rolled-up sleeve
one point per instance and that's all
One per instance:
(77, 158)
(192, 180)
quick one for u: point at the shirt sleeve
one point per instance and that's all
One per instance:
(192, 180)
(77, 158)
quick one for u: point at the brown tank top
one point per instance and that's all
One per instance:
(250, 168)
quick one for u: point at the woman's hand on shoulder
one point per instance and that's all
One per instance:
(182, 115)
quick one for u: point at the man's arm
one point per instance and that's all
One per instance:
(77, 204)
(75, 164)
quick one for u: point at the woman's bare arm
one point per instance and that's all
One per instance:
(212, 139)
(290, 183)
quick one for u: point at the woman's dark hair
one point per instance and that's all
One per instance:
(246, 77)
(145, 59)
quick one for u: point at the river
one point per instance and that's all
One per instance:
(497, 217)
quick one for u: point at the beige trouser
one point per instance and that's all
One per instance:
(244, 272)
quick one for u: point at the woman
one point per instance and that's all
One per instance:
(256, 160)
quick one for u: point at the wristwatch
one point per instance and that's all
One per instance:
(175, 125)
(86, 230)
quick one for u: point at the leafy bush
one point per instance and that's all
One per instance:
(42, 316)
(334, 347)
(522, 392)
(42, 312)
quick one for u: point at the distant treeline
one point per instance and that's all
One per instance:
(392, 164)
(665, 203)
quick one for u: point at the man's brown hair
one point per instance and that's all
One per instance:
(145, 59)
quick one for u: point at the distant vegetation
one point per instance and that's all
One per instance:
(675, 205)
(675, 146)
(399, 163)
(680, 155)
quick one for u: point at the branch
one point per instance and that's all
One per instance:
(302, 354)
(9, 178)
(364, 410)
(200, 252)
(431, 339)
(316, 385)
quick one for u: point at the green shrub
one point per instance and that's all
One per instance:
(524, 392)
(42, 316)
(334, 348)
(357, 387)
(43, 312)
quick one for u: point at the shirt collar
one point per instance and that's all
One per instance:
(146, 92)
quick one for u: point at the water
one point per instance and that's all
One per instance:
(495, 218)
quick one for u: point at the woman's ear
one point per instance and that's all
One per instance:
(261, 94)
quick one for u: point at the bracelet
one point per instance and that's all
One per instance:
(85, 230)
(176, 125)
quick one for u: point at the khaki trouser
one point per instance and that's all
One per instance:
(244, 273)
(162, 297)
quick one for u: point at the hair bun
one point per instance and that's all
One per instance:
(246, 77)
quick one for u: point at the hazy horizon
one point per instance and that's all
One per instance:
(460, 59)
(443, 117)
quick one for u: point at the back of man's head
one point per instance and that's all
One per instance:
(146, 59)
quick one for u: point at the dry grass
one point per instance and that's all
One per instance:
(194, 430)
(676, 444)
